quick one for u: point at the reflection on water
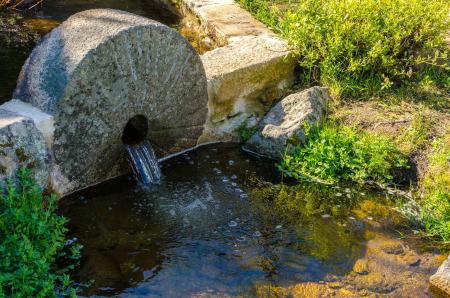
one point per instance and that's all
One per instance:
(217, 227)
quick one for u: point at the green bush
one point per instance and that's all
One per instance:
(436, 202)
(342, 153)
(32, 239)
(361, 47)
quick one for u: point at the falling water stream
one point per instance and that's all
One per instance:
(143, 163)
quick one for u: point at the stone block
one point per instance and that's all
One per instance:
(244, 80)
(22, 145)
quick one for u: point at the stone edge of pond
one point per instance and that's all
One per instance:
(247, 75)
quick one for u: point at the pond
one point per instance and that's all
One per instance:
(18, 34)
(220, 224)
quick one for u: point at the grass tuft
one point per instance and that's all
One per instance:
(436, 201)
(245, 131)
(343, 153)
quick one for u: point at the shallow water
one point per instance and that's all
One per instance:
(44, 18)
(216, 226)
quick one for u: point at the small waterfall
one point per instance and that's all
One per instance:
(144, 163)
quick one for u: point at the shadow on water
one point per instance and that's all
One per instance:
(219, 224)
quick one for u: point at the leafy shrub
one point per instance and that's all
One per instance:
(335, 153)
(359, 48)
(436, 203)
(31, 241)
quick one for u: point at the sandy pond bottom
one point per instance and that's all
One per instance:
(217, 227)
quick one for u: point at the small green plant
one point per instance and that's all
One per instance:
(436, 202)
(342, 153)
(32, 240)
(246, 132)
(417, 134)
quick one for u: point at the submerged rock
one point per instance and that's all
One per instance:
(284, 125)
(375, 274)
(440, 281)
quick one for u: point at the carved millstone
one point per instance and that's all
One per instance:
(99, 69)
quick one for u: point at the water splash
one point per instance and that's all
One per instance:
(144, 163)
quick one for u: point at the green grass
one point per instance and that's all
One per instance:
(436, 201)
(336, 153)
(32, 240)
(246, 132)
(361, 48)
(417, 135)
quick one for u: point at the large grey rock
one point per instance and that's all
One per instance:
(99, 69)
(22, 145)
(283, 126)
(440, 281)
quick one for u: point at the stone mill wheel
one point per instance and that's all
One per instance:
(98, 70)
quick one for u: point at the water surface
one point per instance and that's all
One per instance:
(218, 226)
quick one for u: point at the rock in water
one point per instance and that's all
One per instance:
(95, 72)
(283, 126)
(440, 281)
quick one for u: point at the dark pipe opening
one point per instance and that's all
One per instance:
(135, 131)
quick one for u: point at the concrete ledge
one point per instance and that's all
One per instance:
(230, 23)
(225, 20)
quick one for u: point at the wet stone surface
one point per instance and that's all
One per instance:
(217, 226)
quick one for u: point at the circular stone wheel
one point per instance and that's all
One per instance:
(99, 69)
